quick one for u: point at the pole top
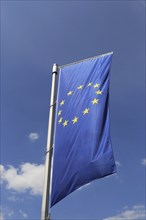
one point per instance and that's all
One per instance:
(54, 69)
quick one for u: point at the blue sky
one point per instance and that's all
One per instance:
(36, 34)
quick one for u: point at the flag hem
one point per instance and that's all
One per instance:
(76, 62)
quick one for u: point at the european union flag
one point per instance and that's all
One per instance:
(82, 143)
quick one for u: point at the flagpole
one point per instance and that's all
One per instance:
(45, 215)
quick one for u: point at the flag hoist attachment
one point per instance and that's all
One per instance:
(45, 215)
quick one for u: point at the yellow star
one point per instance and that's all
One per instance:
(60, 120)
(69, 93)
(65, 123)
(95, 101)
(99, 92)
(75, 120)
(96, 85)
(59, 113)
(89, 84)
(86, 111)
(62, 102)
(80, 87)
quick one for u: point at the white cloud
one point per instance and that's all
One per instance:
(33, 136)
(143, 161)
(23, 214)
(137, 212)
(1, 172)
(27, 177)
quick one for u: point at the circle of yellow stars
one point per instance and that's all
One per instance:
(86, 111)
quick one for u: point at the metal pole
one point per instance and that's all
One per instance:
(47, 175)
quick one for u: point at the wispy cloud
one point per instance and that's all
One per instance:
(33, 136)
(26, 177)
(23, 214)
(137, 212)
(15, 198)
(1, 215)
(118, 164)
(83, 187)
(5, 213)
(116, 175)
(143, 161)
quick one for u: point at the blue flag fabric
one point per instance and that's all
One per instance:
(82, 144)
